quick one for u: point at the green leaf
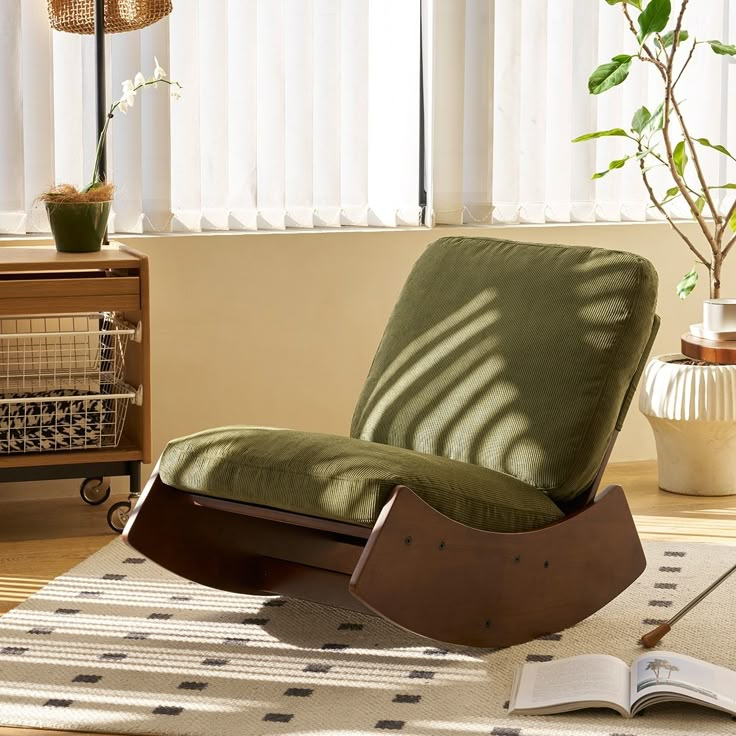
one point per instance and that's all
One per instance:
(654, 18)
(699, 204)
(656, 121)
(600, 134)
(732, 222)
(688, 283)
(641, 117)
(635, 3)
(724, 186)
(610, 74)
(719, 148)
(669, 38)
(670, 194)
(679, 158)
(724, 49)
(616, 164)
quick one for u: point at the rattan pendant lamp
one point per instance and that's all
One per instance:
(99, 17)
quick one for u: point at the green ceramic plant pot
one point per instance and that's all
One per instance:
(78, 227)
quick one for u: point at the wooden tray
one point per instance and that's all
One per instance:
(721, 352)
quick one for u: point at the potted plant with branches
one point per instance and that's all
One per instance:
(78, 217)
(691, 405)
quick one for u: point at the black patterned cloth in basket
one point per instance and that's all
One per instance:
(57, 420)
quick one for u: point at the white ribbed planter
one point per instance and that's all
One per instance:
(692, 410)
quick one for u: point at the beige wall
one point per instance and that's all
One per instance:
(279, 329)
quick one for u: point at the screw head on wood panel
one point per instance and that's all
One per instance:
(517, 559)
(407, 540)
(442, 545)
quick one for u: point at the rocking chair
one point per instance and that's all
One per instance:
(463, 505)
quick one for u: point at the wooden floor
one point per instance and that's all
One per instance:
(42, 539)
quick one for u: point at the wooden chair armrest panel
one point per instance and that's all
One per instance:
(444, 580)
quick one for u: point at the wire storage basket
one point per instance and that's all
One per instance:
(61, 382)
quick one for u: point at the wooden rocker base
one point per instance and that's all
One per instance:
(416, 567)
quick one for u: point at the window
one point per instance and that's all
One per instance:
(509, 93)
(294, 113)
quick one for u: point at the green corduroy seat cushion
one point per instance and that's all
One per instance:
(346, 479)
(518, 357)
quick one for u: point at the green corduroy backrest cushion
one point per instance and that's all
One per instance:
(519, 357)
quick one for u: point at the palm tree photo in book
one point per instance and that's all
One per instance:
(603, 681)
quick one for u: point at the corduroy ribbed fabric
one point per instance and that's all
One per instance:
(346, 479)
(518, 357)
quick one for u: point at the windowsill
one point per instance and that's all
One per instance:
(45, 238)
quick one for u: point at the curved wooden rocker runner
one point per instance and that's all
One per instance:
(416, 567)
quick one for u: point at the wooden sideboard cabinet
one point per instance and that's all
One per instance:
(80, 296)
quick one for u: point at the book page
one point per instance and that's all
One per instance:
(590, 679)
(667, 673)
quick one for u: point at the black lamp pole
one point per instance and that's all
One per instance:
(100, 86)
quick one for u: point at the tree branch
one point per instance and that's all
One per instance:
(726, 220)
(728, 247)
(669, 101)
(686, 133)
(650, 57)
(687, 61)
(662, 210)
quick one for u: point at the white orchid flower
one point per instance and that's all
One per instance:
(158, 72)
(128, 97)
(139, 80)
(123, 106)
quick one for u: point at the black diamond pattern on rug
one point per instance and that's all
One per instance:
(400, 698)
(317, 668)
(390, 725)
(87, 678)
(167, 710)
(539, 657)
(14, 651)
(421, 675)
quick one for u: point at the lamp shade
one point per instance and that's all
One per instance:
(78, 16)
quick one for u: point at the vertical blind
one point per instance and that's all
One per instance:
(509, 93)
(293, 113)
(305, 113)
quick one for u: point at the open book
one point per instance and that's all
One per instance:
(602, 681)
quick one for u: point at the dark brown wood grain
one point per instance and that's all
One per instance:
(450, 582)
(721, 352)
(418, 568)
(242, 553)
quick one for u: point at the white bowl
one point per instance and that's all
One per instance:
(719, 315)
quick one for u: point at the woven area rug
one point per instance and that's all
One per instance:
(120, 645)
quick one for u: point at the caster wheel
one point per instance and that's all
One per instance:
(117, 516)
(95, 491)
